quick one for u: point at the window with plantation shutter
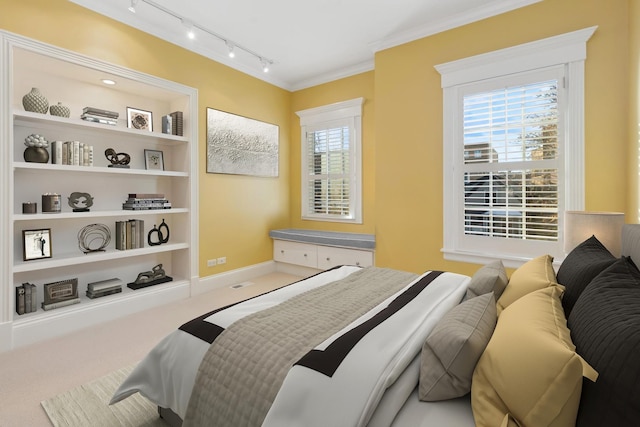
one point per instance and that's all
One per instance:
(510, 160)
(514, 133)
(331, 162)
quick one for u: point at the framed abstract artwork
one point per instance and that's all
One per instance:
(241, 146)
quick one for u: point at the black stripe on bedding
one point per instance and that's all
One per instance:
(208, 332)
(327, 361)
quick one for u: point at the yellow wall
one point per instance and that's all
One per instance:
(236, 212)
(402, 122)
(633, 210)
(409, 121)
(359, 86)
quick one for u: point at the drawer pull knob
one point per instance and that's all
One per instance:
(282, 251)
(328, 259)
(305, 255)
(358, 263)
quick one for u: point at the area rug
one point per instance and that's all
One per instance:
(88, 405)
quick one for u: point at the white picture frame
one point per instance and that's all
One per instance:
(139, 119)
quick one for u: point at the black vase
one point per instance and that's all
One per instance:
(36, 155)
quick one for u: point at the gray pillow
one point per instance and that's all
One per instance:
(452, 350)
(489, 278)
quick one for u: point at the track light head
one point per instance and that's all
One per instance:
(232, 53)
(265, 65)
(132, 7)
(190, 32)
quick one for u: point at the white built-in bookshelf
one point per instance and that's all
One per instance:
(76, 81)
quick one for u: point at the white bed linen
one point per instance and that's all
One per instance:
(166, 376)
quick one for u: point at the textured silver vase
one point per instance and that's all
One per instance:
(60, 110)
(35, 101)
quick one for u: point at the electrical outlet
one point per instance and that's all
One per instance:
(211, 263)
(222, 260)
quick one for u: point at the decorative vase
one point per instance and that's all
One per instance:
(36, 155)
(35, 101)
(60, 110)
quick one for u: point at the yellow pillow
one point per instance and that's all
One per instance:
(530, 374)
(535, 274)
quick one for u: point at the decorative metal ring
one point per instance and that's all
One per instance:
(94, 238)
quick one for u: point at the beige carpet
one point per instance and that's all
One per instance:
(88, 405)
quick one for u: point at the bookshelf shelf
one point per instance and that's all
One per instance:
(71, 78)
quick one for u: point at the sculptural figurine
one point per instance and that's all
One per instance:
(148, 276)
(80, 202)
(118, 160)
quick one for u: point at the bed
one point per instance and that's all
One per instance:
(371, 346)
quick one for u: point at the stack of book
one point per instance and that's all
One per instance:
(129, 234)
(104, 288)
(146, 201)
(98, 115)
(26, 298)
(73, 153)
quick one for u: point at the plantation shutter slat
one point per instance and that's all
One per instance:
(510, 162)
(329, 170)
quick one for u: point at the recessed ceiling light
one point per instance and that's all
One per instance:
(108, 81)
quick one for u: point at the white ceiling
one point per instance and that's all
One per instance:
(310, 42)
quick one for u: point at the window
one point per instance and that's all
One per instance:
(331, 162)
(513, 130)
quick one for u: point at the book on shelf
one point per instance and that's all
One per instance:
(72, 153)
(144, 201)
(98, 119)
(130, 234)
(146, 196)
(176, 123)
(20, 300)
(26, 298)
(100, 112)
(104, 288)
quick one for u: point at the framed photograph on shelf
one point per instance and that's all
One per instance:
(36, 244)
(153, 160)
(139, 119)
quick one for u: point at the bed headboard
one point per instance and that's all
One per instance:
(631, 242)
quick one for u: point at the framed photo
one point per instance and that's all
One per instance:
(153, 160)
(139, 119)
(36, 244)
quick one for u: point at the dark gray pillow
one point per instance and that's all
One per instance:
(577, 270)
(491, 277)
(605, 328)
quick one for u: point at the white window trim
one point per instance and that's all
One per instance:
(351, 110)
(567, 49)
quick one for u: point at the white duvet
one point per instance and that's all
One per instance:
(308, 398)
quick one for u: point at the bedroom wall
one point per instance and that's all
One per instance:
(408, 129)
(236, 212)
(358, 86)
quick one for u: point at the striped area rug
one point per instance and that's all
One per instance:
(88, 405)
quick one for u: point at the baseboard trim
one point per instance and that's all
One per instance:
(232, 277)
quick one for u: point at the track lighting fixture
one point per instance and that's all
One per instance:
(132, 7)
(265, 65)
(191, 27)
(190, 33)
